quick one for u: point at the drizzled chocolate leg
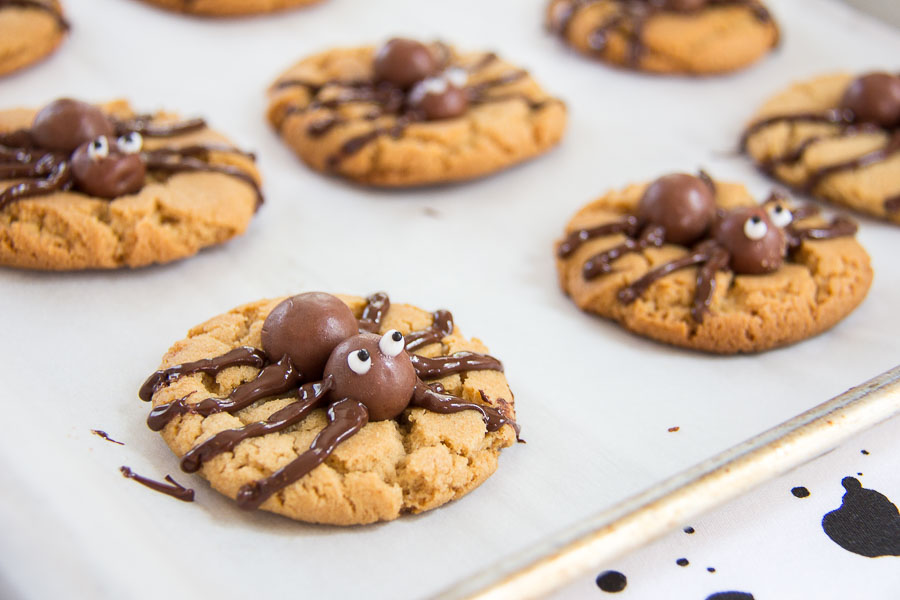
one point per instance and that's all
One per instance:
(439, 402)
(239, 357)
(460, 362)
(175, 163)
(698, 255)
(706, 282)
(839, 227)
(310, 395)
(601, 264)
(345, 418)
(376, 307)
(59, 179)
(272, 380)
(628, 225)
(145, 126)
(440, 328)
(892, 146)
(202, 150)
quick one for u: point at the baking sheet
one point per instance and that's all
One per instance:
(595, 402)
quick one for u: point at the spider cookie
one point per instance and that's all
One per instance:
(699, 264)
(837, 138)
(333, 410)
(667, 36)
(409, 114)
(100, 187)
(29, 31)
(229, 8)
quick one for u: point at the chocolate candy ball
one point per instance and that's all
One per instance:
(66, 124)
(756, 245)
(447, 102)
(385, 388)
(683, 204)
(404, 62)
(307, 327)
(874, 98)
(108, 173)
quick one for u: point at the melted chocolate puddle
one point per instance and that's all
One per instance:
(176, 490)
(867, 523)
(611, 581)
(105, 436)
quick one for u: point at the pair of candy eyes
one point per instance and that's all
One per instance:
(438, 84)
(391, 344)
(130, 143)
(756, 229)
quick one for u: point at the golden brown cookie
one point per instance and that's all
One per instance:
(229, 8)
(409, 114)
(396, 412)
(100, 187)
(699, 264)
(836, 137)
(29, 31)
(694, 37)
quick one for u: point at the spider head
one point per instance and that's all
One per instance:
(374, 370)
(441, 97)
(307, 328)
(756, 245)
(683, 204)
(403, 63)
(874, 98)
(109, 168)
(66, 124)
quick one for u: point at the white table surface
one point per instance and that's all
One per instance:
(595, 402)
(771, 544)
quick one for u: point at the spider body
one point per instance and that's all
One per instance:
(72, 145)
(364, 377)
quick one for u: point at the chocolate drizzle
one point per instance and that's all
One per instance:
(173, 488)
(392, 109)
(629, 20)
(346, 415)
(48, 170)
(40, 5)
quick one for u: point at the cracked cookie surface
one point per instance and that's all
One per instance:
(713, 39)
(795, 151)
(29, 33)
(172, 217)
(511, 123)
(415, 463)
(229, 8)
(822, 282)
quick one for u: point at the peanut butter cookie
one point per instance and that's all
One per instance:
(339, 410)
(837, 138)
(694, 37)
(229, 8)
(700, 264)
(410, 114)
(100, 187)
(29, 31)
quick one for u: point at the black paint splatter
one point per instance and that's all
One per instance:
(611, 581)
(867, 523)
(730, 596)
(689, 530)
(682, 562)
(800, 492)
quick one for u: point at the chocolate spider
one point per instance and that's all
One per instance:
(413, 83)
(680, 209)
(75, 145)
(870, 104)
(630, 17)
(313, 344)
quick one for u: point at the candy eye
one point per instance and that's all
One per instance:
(780, 215)
(98, 149)
(755, 228)
(391, 343)
(360, 362)
(130, 143)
